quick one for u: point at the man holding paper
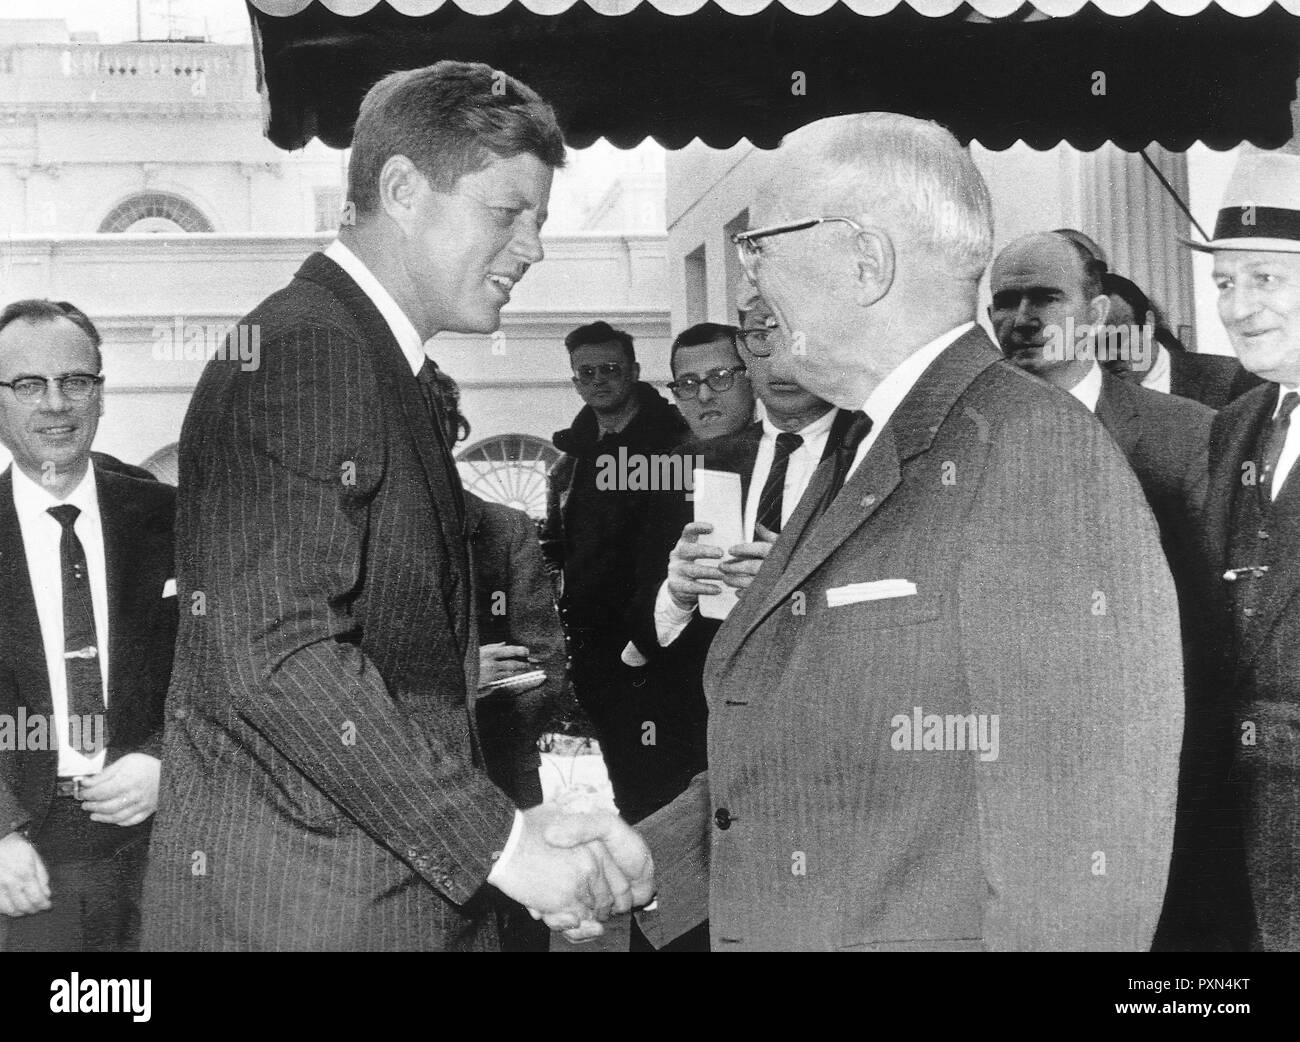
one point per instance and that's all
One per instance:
(946, 711)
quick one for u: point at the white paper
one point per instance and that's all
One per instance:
(718, 501)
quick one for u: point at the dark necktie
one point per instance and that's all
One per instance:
(80, 639)
(841, 461)
(1274, 440)
(770, 501)
(433, 405)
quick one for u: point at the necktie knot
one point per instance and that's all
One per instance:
(786, 443)
(65, 514)
(1289, 401)
(858, 429)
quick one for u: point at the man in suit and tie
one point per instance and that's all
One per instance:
(87, 628)
(324, 788)
(1253, 531)
(946, 711)
(1051, 316)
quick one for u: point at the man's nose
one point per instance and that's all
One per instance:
(527, 244)
(1237, 303)
(1026, 314)
(55, 400)
(706, 393)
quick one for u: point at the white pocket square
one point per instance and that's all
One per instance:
(169, 588)
(881, 589)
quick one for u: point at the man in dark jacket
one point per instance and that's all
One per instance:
(603, 493)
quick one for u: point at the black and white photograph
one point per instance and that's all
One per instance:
(658, 476)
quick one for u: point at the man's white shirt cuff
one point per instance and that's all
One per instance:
(513, 841)
(670, 617)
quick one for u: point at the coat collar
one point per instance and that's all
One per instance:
(908, 433)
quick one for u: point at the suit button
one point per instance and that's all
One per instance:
(1250, 613)
(1262, 534)
(180, 714)
(723, 818)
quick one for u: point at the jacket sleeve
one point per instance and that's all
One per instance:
(678, 837)
(552, 536)
(1077, 651)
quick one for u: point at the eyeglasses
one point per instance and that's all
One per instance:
(76, 387)
(747, 242)
(721, 379)
(756, 339)
(585, 374)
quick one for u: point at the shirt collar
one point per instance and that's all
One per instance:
(890, 392)
(1088, 390)
(808, 430)
(403, 329)
(1159, 367)
(32, 499)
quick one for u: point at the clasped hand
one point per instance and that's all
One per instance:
(573, 870)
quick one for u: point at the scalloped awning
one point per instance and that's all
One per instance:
(1168, 71)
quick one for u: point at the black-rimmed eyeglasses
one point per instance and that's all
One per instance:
(721, 379)
(747, 243)
(76, 387)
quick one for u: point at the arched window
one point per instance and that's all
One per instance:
(509, 469)
(155, 212)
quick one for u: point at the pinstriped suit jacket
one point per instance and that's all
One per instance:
(1042, 597)
(321, 789)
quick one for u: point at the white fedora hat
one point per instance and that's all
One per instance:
(1261, 206)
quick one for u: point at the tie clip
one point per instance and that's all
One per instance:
(87, 652)
(1252, 571)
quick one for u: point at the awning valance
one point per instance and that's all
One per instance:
(869, 8)
(703, 71)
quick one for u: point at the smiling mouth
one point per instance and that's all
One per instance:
(57, 432)
(503, 282)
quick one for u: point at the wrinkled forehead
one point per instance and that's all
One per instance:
(56, 345)
(1041, 265)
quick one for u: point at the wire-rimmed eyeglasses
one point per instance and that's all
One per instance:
(747, 243)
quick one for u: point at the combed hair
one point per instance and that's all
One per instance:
(701, 333)
(34, 310)
(1128, 292)
(883, 163)
(449, 119)
(601, 333)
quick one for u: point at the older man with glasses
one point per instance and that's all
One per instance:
(945, 713)
(87, 629)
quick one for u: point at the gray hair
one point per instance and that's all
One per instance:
(912, 170)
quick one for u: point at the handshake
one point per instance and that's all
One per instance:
(573, 869)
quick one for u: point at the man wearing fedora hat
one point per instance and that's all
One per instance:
(1253, 539)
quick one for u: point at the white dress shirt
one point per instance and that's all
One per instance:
(1088, 390)
(884, 401)
(41, 534)
(670, 618)
(1290, 447)
(1158, 377)
(404, 331)
(408, 339)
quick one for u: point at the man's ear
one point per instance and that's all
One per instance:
(400, 188)
(1099, 309)
(874, 265)
(635, 371)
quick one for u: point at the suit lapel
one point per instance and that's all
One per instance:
(400, 388)
(1118, 413)
(1239, 439)
(20, 629)
(126, 559)
(909, 432)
